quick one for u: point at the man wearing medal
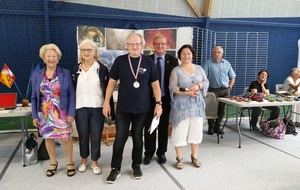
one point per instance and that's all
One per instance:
(138, 83)
(166, 63)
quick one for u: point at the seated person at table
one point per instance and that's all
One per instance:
(292, 83)
(260, 85)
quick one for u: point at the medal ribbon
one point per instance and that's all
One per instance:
(138, 68)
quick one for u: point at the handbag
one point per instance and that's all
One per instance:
(31, 150)
(273, 128)
(290, 127)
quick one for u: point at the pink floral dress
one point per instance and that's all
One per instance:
(53, 120)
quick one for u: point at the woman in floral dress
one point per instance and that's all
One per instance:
(53, 106)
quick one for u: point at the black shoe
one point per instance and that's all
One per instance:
(255, 128)
(210, 130)
(147, 160)
(162, 159)
(137, 173)
(113, 176)
(220, 130)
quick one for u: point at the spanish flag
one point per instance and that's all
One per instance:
(7, 77)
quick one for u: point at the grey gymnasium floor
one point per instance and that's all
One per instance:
(261, 163)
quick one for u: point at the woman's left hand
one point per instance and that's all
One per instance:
(193, 92)
(196, 87)
(70, 119)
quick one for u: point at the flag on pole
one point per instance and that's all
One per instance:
(7, 77)
(34, 70)
(31, 76)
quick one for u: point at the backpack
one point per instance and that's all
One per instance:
(290, 127)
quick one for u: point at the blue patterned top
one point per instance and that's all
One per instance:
(184, 106)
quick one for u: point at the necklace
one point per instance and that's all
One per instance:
(189, 70)
(85, 67)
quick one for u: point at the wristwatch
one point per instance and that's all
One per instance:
(158, 102)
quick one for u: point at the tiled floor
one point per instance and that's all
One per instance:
(262, 163)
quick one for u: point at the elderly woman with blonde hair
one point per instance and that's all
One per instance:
(53, 106)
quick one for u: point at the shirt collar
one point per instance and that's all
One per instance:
(222, 61)
(156, 56)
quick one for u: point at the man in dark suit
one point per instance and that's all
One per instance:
(164, 64)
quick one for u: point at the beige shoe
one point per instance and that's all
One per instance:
(96, 170)
(196, 162)
(82, 168)
(179, 164)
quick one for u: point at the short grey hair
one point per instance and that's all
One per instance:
(139, 35)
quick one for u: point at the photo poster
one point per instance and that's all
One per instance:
(111, 42)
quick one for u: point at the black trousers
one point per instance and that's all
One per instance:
(256, 112)
(150, 139)
(123, 121)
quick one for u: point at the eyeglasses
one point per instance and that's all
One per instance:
(86, 50)
(157, 44)
(134, 44)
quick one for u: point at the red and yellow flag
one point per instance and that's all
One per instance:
(7, 77)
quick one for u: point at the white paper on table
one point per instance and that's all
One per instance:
(154, 124)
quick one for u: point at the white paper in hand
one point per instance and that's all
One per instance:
(154, 124)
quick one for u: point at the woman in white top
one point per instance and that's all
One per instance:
(90, 79)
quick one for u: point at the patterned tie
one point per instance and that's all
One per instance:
(158, 67)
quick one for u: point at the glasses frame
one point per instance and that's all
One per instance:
(86, 50)
(162, 43)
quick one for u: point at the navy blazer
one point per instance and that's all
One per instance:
(67, 91)
(170, 63)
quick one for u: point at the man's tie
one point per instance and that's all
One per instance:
(158, 67)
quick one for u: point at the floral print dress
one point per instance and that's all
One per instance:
(53, 120)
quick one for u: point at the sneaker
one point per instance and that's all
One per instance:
(113, 176)
(137, 173)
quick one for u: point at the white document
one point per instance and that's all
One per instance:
(154, 124)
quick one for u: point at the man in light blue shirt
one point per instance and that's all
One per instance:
(221, 78)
